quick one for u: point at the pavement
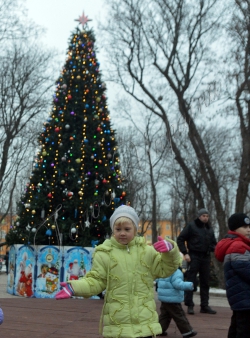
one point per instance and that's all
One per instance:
(79, 318)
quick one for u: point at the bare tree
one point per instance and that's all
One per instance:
(238, 76)
(25, 82)
(147, 162)
(161, 54)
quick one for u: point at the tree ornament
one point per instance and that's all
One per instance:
(87, 224)
(48, 233)
(42, 213)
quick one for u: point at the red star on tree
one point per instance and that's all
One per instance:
(83, 19)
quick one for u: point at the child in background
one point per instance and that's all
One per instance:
(126, 267)
(171, 294)
(234, 250)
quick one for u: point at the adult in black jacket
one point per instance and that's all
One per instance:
(196, 241)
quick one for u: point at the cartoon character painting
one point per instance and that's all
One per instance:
(52, 280)
(75, 271)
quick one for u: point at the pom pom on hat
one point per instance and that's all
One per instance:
(202, 211)
(238, 220)
(124, 211)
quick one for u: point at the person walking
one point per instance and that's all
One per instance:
(126, 267)
(171, 294)
(196, 241)
(234, 251)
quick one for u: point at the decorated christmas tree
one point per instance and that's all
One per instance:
(76, 183)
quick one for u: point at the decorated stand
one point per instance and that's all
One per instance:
(38, 271)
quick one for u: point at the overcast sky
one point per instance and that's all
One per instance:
(58, 16)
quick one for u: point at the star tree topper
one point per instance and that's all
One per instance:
(83, 19)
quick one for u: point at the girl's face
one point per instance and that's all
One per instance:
(124, 232)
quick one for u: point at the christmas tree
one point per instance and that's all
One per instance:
(76, 183)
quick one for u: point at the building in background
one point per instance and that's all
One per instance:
(166, 229)
(5, 226)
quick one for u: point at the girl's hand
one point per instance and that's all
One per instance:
(162, 245)
(66, 292)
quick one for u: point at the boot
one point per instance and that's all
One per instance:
(190, 310)
(192, 334)
(207, 309)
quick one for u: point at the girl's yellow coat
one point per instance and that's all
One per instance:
(127, 272)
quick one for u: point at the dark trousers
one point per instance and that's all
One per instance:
(174, 311)
(240, 325)
(200, 263)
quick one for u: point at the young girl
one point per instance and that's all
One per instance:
(126, 267)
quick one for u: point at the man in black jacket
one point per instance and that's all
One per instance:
(196, 241)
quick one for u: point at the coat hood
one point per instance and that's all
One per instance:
(223, 247)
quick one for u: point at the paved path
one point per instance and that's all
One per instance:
(79, 318)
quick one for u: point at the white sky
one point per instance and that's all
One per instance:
(58, 18)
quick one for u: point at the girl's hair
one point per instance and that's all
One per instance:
(123, 219)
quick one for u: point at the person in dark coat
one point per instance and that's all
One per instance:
(234, 251)
(196, 241)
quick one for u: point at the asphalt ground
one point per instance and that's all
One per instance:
(35, 317)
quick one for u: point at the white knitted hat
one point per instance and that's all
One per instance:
(124, 211)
